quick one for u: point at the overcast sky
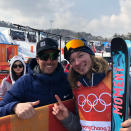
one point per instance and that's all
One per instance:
(98, 17)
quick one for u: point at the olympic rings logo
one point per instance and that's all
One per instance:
(83, 102)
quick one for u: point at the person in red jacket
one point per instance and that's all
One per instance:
(65, 65)
(92, 97)
(67, 68)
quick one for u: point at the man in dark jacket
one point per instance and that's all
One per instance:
(45, 78)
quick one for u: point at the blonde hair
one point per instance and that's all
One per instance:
(99, 65)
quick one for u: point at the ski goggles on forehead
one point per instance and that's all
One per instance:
(74, 44)
(52, 56)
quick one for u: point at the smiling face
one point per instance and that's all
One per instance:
(81, 62)
(18, 67)
(48, 66)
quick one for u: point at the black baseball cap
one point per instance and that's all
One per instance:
(46, 44)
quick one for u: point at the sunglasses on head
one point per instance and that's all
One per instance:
(76, 43)
(52, 56)
(15, 66)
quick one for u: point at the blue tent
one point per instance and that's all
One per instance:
(105, 43)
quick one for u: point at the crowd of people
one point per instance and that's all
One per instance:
(47, 81)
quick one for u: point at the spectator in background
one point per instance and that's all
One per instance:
(64, 63)
(17, 69)
(67, 68)
(27, 64)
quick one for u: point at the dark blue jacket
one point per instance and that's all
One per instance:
(36, 86)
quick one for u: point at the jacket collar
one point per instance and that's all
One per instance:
(9, 79)
(95, 79)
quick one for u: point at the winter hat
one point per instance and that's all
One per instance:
(46, 44)
(12, 61)
(76, 45)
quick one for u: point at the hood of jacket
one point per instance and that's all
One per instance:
(12, 61)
